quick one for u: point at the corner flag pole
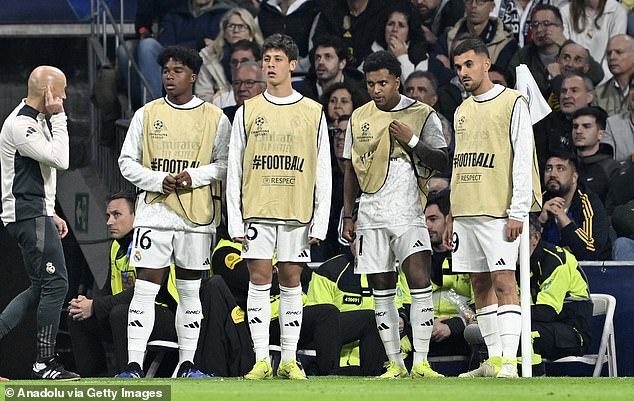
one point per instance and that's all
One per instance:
(525, 301)
(538, 109)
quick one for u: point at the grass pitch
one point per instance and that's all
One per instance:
(364, 389)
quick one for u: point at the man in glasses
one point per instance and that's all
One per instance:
(548, 35)
(248, 82)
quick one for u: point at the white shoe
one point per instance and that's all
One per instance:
(508, 369)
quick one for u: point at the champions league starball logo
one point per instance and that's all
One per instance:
(158, 125)
(260, 129)
(365, 127)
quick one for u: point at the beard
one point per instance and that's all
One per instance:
(558, 191)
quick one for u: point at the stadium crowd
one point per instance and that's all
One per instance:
(279, 133)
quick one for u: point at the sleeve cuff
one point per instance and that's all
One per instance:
(413, 142)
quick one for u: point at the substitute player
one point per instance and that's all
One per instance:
(489, 200)
(176, 151)
(393, 144)
(278, 199)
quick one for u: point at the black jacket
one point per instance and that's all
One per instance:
(358, 33)
(598, 171)
(297, 25)
(587, 236)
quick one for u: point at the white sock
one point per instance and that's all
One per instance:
(290, 317)
(141, 319)
(259, 314)
(510, 323)
(188, 316)
(386, 316)
(488, 322)
(422, 320)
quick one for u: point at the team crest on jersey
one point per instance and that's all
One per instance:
(137, 256)
(260, 126)
(50, 267)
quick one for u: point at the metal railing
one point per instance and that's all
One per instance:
(102, 22)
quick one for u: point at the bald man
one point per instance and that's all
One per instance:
(33, 146)
(612, 95)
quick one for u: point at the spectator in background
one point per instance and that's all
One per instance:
(554, 132)
(403, 37)
(516, 15)
(241, 52)
(437, 16)
(215, 74)
(620, 129)
(597, 168)
(500, 76)
(543, 49)
(500, 43)
(294, 18)
(149, 12)
(620, 206)
(612, 95)
(572, 59)
(592, 24)
(329, 67)
(572, 216)
(341, 99)
(95, 320)
(357, 22)
(423, 86)
(248, 82)
(191, 24)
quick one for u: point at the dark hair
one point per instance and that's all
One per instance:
(600, 116)
(359, 97)
(587, 82)
(424, 74)
(331, 41)
(382, 59)
(548, 7)
(563, 153)
(504, 72)
(533, 223)
(472, 43)
(129, 196)
(417, 46)
(282, 42)
(246, 44)
(440, 199)
(189, 57)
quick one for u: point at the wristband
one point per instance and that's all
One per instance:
(413, 142)
(347, 217)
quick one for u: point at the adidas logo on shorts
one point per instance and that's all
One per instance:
(500, 262)
(303, 254)
(418, 244)
(294, 323)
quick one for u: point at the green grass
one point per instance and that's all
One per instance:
(362, 389)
